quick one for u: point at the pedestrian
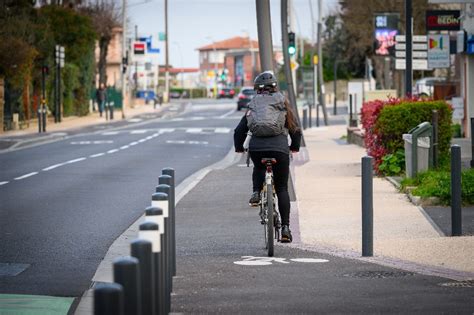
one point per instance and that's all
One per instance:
(101, 97)
(271, 120)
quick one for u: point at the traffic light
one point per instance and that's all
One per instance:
(291, 43)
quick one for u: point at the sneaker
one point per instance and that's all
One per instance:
(255, 199)
(286, 234)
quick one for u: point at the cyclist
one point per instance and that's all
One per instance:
(274, 146)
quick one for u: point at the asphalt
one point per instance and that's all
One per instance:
(326, 221)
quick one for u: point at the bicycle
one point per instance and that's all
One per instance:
(269, 215)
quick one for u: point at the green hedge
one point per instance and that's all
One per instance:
(396, 120)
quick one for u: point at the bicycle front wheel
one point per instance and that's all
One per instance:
(270, 231)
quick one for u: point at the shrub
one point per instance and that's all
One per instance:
(386, 121)
(438, 184)
(392, 163)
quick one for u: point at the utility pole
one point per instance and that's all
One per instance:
(123, 73)
(286, 58)
(167, 73)
(320, 63)
(408, 53)
(291, 28)
(264, 28)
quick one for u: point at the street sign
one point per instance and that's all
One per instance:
(139, 48)
(417, 64)
(415, 54)
(294, 65)
(415, 38)
(438, 51)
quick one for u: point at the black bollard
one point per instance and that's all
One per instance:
(160, 200)
(456, 211)
(155, 215)
(142, 250)
(367, 207)
(472, 142)
(310, 116)
(305, 118)
(126, 273)
(170, 172)
(108, 299)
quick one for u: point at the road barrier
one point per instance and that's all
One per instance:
(367, 207)
(143, 282)
(456, 190)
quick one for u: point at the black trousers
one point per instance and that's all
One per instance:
(280, 177)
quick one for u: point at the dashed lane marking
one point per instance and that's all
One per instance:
(124, 147)
(92, 142)
(26, 175)
(75, 160)
(112, 151)
(96, 155)
(194, 130)
(110, 133)
(134, 120)
(3, 183)
(52, 167)
(222, 130)
(140, 131)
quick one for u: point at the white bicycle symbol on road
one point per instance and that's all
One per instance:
(265, 261)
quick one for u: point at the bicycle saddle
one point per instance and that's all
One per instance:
(269, 161)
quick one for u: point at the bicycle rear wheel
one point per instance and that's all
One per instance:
(269, 222)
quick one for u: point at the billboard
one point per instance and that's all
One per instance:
(386, 28)
(443, 20)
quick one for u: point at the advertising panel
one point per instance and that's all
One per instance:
(386, 28)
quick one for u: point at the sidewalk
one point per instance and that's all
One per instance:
(328, 190)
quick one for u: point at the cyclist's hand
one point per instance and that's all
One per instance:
(239, 151)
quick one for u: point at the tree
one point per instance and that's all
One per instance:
(105, 17)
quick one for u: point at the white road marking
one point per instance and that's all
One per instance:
(142, 140)
(133, 143)
(176, 141)
(197, 118)
(52, 167)
(177, 119)
(253, 263)
(140, 131)
(227, 114)
(194, 130)
(3, 183)
(134, 120)
(92, 142)
(124, 147)
(110, 133)
(222, 130)
(96, 155)
(112, 151)
(149, 137)
(26, 175)
(163, 130)
(309, 260)
(75, 160)
(198, 142)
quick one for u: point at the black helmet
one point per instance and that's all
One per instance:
(265, 80)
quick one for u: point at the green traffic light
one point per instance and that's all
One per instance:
(291, 50)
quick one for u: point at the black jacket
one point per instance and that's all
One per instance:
(275, 143)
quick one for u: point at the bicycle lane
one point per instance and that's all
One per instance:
(222, 265)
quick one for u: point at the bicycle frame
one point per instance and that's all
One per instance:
(269, 215)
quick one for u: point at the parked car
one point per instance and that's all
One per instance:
(425, 86)
(226, 93)
(245, 96)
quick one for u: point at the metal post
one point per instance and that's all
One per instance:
(317, 115)
(320, 63)
(106, 109)
(305, 118)
(264, 27)
(126, 274)
(310, 116)
(108, 299)
(142, 250)
(161, 200)
(170, 172)
(335, 88)
(350, 111)
(367, 207)
(456, 211)
(434, 124)
(155, 215)
(123, 72)
(472, 142)
(167, 71)
(45, 116)
(59, 89)
(408, 53)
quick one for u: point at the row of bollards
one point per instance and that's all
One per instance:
(143, 282)
(367, 200)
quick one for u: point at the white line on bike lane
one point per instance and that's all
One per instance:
(265, 261)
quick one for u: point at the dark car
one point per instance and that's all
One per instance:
(245, 96)
(226, 93)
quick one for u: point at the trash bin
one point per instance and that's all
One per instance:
(423, 153)
(418, 149)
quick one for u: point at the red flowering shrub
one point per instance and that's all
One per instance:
(385, 121)
(372, 138)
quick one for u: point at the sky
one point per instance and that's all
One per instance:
(195, 23)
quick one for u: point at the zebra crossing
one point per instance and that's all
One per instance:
(217, 130)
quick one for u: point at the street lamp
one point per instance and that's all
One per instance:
(182, 65)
